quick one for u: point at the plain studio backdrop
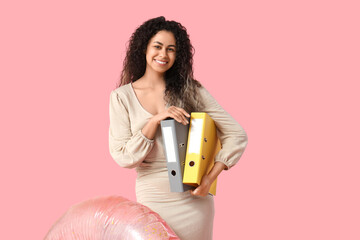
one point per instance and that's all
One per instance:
(287, 71)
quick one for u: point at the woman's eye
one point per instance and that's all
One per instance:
(171, 49)
(157, 47)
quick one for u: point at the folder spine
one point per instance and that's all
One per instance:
(175, 143)
(203, 146)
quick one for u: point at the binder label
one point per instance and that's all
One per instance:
(169, 144)
(195, 135)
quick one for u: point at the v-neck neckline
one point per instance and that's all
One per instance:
(138, 101)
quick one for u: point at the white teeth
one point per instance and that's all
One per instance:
(160, 62)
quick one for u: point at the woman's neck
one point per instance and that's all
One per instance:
(153, 79)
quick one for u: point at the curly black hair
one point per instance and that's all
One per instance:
(181, 87)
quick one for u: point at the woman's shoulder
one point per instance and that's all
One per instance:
(123, 91)
(203, 91)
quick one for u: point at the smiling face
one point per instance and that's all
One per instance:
(161, 52)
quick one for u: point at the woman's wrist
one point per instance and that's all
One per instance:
(149, 130)
(155, 119)
(216, 170)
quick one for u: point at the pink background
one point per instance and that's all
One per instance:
(288, 71)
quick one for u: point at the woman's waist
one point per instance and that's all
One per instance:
(152, 166)
(155, 187)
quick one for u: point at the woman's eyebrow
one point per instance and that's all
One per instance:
(163, 44)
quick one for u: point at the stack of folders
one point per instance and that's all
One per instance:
(190, 152)
(175, 137)
(203, 145)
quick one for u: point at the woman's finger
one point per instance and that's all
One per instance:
(184, 112)
(180, 119)
(178, 115)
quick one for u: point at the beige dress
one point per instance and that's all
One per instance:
(189, 216)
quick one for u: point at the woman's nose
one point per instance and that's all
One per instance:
(163, 52)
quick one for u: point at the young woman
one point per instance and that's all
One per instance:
(156, 83)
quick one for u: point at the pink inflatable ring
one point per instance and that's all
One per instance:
(110, 218)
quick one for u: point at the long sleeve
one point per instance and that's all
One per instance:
(127, 149)
(232, 136)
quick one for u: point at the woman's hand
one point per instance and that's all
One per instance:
(176, 113)
(203, 189)
(149, 130)
(208, 179)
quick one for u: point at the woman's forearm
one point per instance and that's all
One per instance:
(216, 170)
(208, 179)
(149, 130)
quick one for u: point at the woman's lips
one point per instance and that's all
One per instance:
(161, 62)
